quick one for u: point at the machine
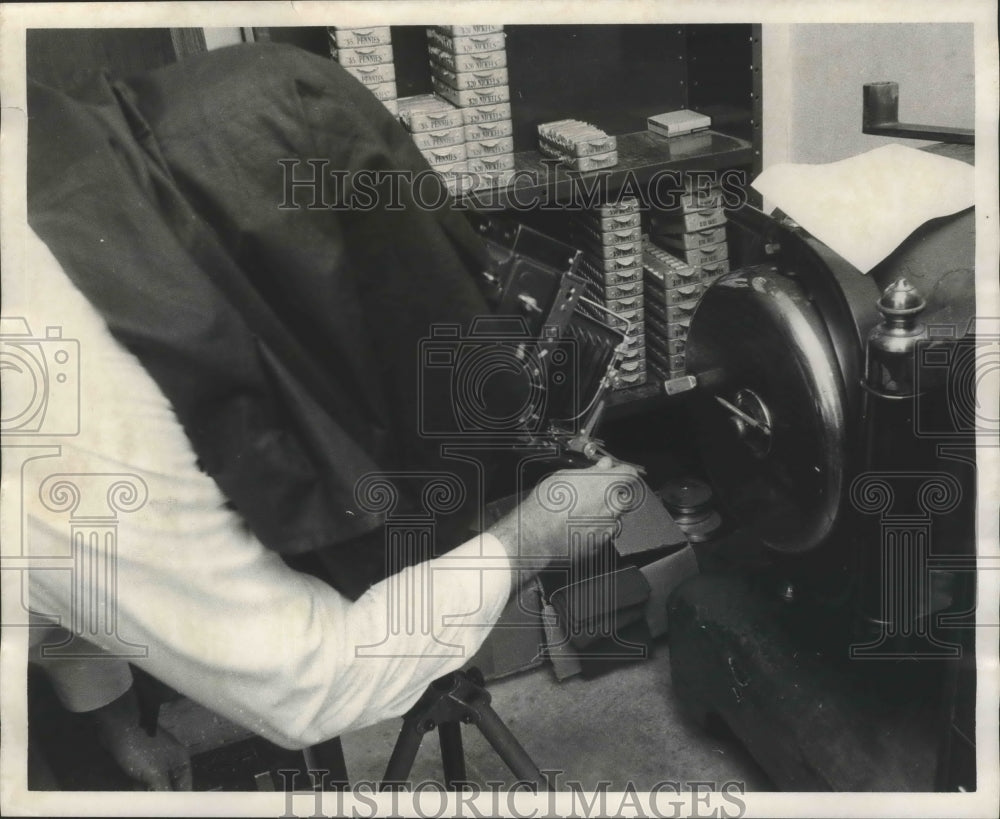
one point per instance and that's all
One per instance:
(830, 629)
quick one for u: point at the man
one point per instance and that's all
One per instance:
(247, 365)
(102, 688)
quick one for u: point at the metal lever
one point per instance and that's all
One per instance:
(743, 416)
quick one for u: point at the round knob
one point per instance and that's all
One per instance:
(900, 299)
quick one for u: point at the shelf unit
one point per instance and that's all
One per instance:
(642, 158)
(614, 76)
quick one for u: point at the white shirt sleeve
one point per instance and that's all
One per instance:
(81, 683)
(222, 619)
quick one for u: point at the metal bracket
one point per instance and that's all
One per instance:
(880, 116)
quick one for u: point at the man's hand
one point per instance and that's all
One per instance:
(159, 762)
(537, 530)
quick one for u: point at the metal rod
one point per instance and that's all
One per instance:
(508, 748)
(737, 411)
(403, 755)
(452, 754)
(329, 756)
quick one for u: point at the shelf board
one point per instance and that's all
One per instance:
(641, 155)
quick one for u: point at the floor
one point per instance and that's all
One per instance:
(625, 726)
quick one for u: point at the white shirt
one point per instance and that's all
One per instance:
(225, 621)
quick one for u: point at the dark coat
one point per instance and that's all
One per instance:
(286, 338)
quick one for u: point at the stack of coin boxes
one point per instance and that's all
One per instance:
(438, 129)
(579, 145)
(610, 237)
(686, 251)
(469, 70)
(367, 54)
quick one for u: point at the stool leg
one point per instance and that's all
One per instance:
(452, 754)
(507, 747)
(403, 754)
(329, 756)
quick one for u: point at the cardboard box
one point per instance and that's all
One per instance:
(446, 155)
(633, 366)
(383, 90)
(714, 270)
(665, 575)
(474, 97)
(677, 123)
(621, 250)
(518, 640)
(466, 62)
(479, 114)
(674, 313)
(466, 44)
(627, 204)
(492, 164)
(489, 147)
(603, 291)
(670, 222)
(636, 354)
(679, 310)
(658, 327)
(373, 74)
(699, 199)
(616, 236)
(489, 130)
(612, 271)
(468, 30)
(691, 241)
(590, 162)
(466, 80)
(629, 321)
(363, 55)
(439, 138)
(428, 112)
(625, 381)
(624, 305)
(664, 270)
(593, 220)
(705, 255)
(596, 607)
(359, 37)
(658, 294)
(573, 138)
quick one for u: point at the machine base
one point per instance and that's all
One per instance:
(779, 676)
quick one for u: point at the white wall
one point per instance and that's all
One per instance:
(813, 75)
(220, 37)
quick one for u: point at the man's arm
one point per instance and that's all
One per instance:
(226, 621)
(101, 687)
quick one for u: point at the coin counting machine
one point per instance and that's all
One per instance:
(835, 418)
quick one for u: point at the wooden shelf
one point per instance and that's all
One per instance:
(641, 156)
